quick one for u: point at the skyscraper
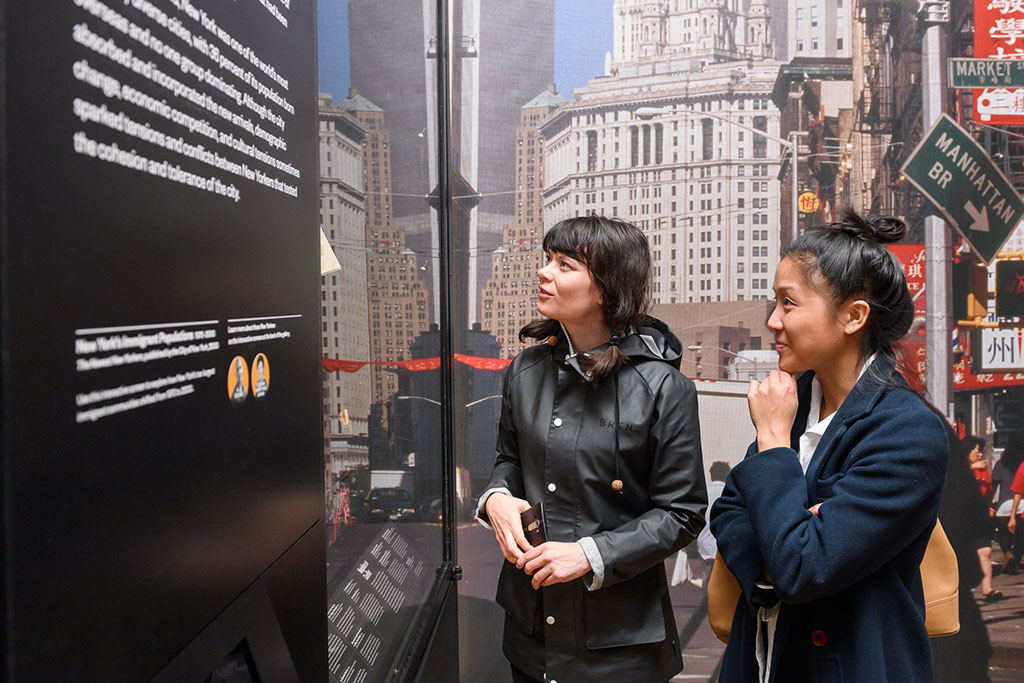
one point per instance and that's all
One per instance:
(343, 298)
(504, 56)
(510, 296)
(671, 139)
(395, 296)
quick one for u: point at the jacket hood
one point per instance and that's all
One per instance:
(651, 341)
(655, 341)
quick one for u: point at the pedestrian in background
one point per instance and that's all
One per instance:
(1002, 477)
(983, 478)
(599, 427)
(825, 521)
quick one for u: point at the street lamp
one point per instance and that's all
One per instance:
(437, 403)
(791, 144)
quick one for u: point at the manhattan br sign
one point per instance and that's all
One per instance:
(959, 178)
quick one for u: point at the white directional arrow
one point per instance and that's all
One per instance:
(980, 218)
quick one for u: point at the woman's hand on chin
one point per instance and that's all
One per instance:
(773, 405)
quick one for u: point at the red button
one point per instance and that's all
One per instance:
(819, 638)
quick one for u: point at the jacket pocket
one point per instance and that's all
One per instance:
(626, 613)
(517, 597)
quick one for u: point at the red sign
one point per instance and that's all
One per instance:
(911, 256)
(999, 34)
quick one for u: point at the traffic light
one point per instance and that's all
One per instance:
(1010, 289)
(970, 289)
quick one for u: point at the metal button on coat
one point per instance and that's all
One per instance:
(550, 620)
(818, 638)
(552, 487)
(557, 422)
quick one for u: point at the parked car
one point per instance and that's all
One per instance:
(390, 504)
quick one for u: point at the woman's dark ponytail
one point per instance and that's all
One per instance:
(605, 362)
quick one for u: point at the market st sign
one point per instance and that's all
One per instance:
(952, 170)
(985, 73)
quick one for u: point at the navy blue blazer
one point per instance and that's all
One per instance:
(849, 578)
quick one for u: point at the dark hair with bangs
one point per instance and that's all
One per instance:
(618, 256)
(852, 262)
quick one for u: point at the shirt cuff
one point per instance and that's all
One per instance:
(596, 579)
(481, 516)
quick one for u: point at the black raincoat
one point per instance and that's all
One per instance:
(557, 445)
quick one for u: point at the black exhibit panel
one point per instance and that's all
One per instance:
(162, 437)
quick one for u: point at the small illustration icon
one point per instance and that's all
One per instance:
(260, 376)
(238, 380)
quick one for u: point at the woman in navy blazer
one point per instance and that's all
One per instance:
(826, 520)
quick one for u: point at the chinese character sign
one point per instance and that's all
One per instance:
(999, 34)
(808, 202)
(911, 257)
(1002, 349)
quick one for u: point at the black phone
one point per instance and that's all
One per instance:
(533, 525)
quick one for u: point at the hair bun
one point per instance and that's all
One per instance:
(878, 229)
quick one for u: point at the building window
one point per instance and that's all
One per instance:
(761, 142)
(708, 130)
(592, 150)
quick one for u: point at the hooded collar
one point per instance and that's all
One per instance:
(651, 341)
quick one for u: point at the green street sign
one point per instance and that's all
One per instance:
(959, 178)
(986, 73)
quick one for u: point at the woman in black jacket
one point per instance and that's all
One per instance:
(599, 426)
(826, 520)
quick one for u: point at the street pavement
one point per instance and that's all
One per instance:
(1004, 620)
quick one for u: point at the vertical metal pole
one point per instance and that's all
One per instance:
(444, 208)
(938, 261)
(792, 150)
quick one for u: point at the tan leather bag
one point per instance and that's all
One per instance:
(939, 575)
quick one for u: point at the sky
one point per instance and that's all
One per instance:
(583, 33)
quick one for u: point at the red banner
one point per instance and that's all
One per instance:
(333, 365)
(416, 364)
(483, 363)
(999, 34)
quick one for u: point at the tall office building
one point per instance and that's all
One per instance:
(504, 56)
(345, 333)
(670, 139)
(396, 299)
(820, 28)
(510, 297)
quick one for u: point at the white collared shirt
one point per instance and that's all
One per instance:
(816, 428)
